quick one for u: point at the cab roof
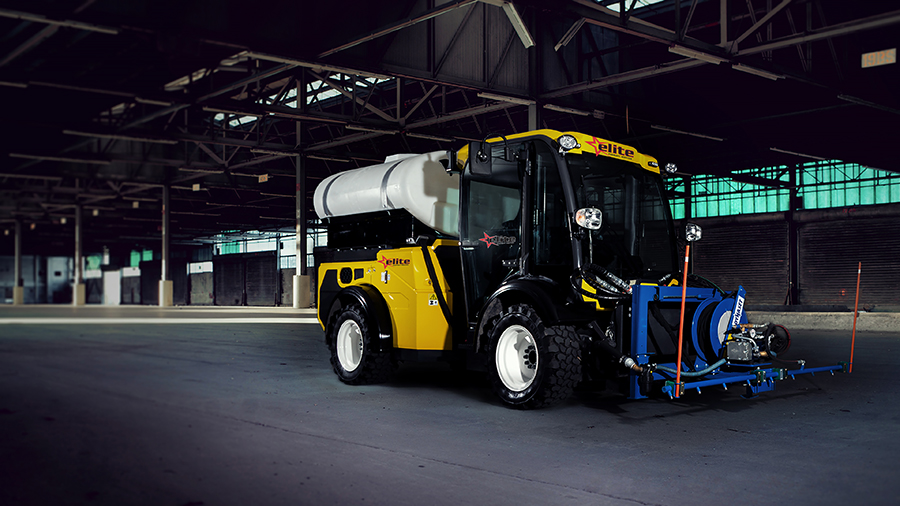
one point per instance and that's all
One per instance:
(586, 144)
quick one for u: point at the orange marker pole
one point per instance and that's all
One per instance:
(687, 253)
(855, 314)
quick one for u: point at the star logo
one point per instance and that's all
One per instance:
(388, 262)
(488, 239)
(595, 142)
(496, 240)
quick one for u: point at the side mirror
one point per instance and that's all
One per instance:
(450, 162)
(480, 158)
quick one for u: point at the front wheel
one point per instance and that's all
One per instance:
(351, 341)
(530, 365)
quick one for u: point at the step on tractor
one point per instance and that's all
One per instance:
(543, 258)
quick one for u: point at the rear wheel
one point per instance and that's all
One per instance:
(352, 344)
(530, 365)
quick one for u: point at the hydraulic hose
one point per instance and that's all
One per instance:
(605, 275)
(601, 294)
(697, 374)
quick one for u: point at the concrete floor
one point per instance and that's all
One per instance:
(214, 411)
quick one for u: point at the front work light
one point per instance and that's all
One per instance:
(590, 218)
(671, 168)
(567, 143)
(692, 232)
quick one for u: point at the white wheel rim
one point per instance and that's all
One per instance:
(349, 344)
(516, 357)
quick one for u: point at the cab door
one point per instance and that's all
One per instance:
(490, 228)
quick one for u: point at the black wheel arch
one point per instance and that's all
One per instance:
(536, 292)
(375, 309)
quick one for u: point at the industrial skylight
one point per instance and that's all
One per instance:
(614, 5)
(316, 92)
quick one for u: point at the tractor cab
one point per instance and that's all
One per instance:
(537, 207)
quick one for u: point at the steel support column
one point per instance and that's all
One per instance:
(18, 285)
(277, 294)
(78, 292)
(795, 203)
(688, 199)
(165, 283)
(301, 277)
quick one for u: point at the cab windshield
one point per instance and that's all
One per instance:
(636, 239)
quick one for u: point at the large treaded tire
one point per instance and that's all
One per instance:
(351, 341)
(531, 366)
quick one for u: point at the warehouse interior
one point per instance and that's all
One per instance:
(160, 336)
(197, 131)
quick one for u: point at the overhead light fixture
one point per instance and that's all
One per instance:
(60, 159)
(415, 135)
(202, 171)
(135, 204)
(796, 154)
(275, 152)
(329, 158)
(569, 35)
(757, 72)
(231, 111)
(697, 55)
(148, 101)
(859, 101)
(503, 98)
(120, 137)
(577, 112)
(371, 129)
(62, 221)
(262, 178)
(195, 187)
(682, 132)
(515, 19)
(95, 212)
(518, 24)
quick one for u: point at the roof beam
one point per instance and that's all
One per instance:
(429, 14)
(626, 77)
(762, 21)
(869, 23)
(340, 89)
(36, 39)
(38, 18)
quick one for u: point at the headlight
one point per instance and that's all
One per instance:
(671, 168)
(692, 232)
(589, 217)
(567, 142)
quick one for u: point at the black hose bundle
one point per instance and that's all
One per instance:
(608, 286)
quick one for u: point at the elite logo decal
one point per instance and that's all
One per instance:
(387, 262)
(497, 240)
(611, 149)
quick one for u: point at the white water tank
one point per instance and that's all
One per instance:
(416, 183)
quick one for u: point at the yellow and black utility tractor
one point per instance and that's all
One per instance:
(546, 258)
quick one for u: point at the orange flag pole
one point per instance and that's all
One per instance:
(855, 314)
(687, 252)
